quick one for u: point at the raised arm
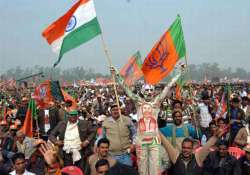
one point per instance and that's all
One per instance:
(204, 151)
(172, 152)
(165, 91)
(120, 80)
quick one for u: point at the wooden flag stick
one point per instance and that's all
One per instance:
(113, 76)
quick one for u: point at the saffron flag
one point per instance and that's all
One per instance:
(27, 127)
(131, 72)
(43, 95)
(162, 58)
(74, 28)
(48, 92)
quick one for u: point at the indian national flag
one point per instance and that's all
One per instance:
(74, 28)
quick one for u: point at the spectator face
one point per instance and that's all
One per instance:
(223, 151)
(19, 166)
(213, 129)
(206, 101)
(177, 106)
(21, 138)
(103, 149)
(187, 148)
(248, 156)
(235, 105)
(177, 118)
(115, 112)
(73, 118)
(244, 102)
(101, 170)
(221, 124)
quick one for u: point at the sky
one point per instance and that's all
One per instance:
(214, 31)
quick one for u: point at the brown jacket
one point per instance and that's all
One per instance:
(241, 137)
(119, 133)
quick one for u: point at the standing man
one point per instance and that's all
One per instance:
(120, 131)
(205, 115)
(48, 119)
(176, 132)
(75, 138)
(246, 107)
(236, 118)
(148, 139)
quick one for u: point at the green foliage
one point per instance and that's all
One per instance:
(197, 72)
(71, 74)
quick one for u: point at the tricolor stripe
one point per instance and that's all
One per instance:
(77, 26)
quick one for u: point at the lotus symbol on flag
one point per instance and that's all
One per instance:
(71, 25)
(157, 59)
(43, 92)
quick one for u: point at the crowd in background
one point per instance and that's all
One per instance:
(205, 131)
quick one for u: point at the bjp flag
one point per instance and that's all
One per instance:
(161, 60)
(43, 95)
(131, 72)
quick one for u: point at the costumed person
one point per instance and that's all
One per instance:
(148, 143)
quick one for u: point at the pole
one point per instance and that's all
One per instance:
(113, 76)
(191, 95)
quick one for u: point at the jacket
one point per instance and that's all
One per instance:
(213, 165)
(85, 128)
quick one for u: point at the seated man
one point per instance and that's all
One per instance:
(25, 144)
(19, 165)
(221, 162)
(102, 153)
(186, 162)
(102, 167)
(243, 136)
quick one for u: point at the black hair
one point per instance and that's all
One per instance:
(113, 106)
(101, 162)
(188, 139)
(223, 142)
(18, 156)
(245, 98)
(212, 123)
(176, 102)
(103, 140)
(176, 111)
(222, 119)
(235, 100)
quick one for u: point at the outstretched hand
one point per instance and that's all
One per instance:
(49, 153)
(221, 131)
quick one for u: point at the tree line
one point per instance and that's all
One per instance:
(198, 72)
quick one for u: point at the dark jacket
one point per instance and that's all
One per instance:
(53, 119)
(213, 166)
(121, 169)
(245, 165)
(86, 131)
(192, 167)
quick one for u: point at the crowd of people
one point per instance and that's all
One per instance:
(150, 131)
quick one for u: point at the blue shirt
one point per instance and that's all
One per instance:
(167, 131)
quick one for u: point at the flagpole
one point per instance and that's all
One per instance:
(191, 95)
(113, 76)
